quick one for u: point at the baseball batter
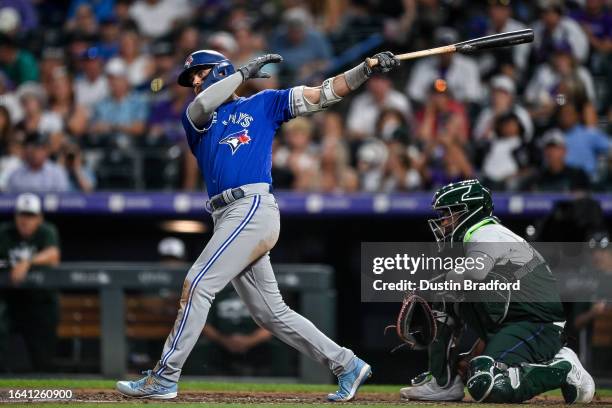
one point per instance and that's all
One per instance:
(524, 353)
(231, 138)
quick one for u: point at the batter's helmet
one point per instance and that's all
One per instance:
(221, 67)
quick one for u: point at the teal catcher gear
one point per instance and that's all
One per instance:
(459, 206)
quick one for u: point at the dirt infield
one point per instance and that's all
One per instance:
(308, 398)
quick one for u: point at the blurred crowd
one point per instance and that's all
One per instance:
(89, 100)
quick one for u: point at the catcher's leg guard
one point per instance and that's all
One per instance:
(441, 352)
(494, 382)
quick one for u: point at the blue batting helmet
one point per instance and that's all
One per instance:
(221, 67)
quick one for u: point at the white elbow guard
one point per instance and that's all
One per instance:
(302, 106)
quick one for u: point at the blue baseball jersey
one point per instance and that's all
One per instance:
(235, 147)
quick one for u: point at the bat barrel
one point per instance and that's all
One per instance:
(496, 41)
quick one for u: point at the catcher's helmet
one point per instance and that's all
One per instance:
(221, 67)
(459, 206)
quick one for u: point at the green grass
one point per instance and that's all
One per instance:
(75, 384)
(187, 385)
(190, 385)
(200, 405)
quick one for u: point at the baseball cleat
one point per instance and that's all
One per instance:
(350, 381)
(425, 388)
(579, 387)
(150, 386)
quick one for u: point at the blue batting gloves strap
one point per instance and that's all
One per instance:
(350, 381)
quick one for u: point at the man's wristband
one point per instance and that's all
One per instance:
(355, 77)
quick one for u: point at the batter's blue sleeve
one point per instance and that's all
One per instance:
(194, 134)
(278, 104)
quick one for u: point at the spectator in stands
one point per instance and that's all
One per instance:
(365, 107)
(62, 103)
(80, 176)
(250, 45)
(156, 18)
(305, 50)
(28, 17)
(298, 155)
(10, 100)
(601, 257)
(18, 63)
(459, 71)
(139, 65)
(101, 9)
(502, 101)
(165, 68)
(443, 130)
(172, 251)
(6, 128)
(120, 117)
(37, 173)
(90, 85)
(52, 59)
(108, 45)
(558, 80)
(29, 242)
(554, 174)
(505, 157)
(187, 41)
(36, 117)
(84, 20)
(510, 61)
(11, 149)
(401, 171)
(585, 145)
(554, 27)
(596, 21)
(165, 129)
(336, 174)
(371, 162)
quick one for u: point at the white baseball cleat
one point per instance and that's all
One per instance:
(425, 388)
(579, 387)
(150, 386)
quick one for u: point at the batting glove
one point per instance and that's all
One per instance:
(386, 62)
(252, 68)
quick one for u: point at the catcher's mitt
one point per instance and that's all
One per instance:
(416, 323)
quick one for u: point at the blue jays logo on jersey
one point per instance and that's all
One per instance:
(235, 140)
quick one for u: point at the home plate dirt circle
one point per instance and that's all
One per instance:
(235, 397)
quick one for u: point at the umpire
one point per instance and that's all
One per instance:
(28, 242)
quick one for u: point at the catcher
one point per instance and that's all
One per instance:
(520, 352)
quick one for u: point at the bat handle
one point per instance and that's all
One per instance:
(371, 62)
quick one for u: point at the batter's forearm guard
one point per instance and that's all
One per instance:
(355, 77)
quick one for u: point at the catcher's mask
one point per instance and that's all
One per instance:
(459, 206)
(444, 226)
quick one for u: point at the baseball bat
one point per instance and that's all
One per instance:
(482, 43)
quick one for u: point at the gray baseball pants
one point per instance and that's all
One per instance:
(245, 231)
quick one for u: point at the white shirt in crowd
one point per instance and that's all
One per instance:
(499, 163)
(155, 20)
(363, 112)
(50, 178)
(545, 80)
(89, 93)
(567, 30)
(484, 122)
(462, 77)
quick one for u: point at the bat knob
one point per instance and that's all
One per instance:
(371, 62)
